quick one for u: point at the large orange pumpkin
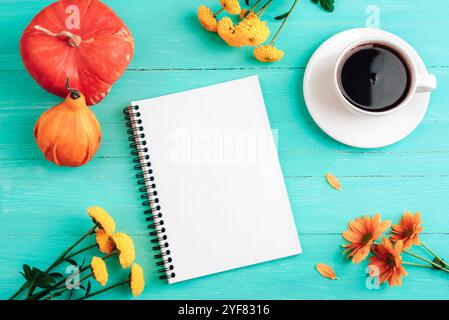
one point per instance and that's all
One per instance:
(83, 40)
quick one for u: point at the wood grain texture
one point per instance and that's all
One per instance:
(42, 207)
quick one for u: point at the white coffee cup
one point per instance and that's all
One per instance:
(418, 82)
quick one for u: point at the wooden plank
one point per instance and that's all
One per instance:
(57, 197)
(25, 101)
(169, 36)
(290, 278)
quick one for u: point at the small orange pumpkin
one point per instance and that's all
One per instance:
(68, 134)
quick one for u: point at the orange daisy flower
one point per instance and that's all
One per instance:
(407, 230)
(361, 233)
(387, 262)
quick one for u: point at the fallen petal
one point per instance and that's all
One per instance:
(333, 181)
(326, 271)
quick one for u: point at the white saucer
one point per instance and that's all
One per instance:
(332, 117)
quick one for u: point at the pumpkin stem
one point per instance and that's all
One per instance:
(73, 39)
(74, 94)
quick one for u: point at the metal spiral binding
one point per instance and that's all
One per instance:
(147, 187)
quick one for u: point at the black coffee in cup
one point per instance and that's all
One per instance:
(374, 77)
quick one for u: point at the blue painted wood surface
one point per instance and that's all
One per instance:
(42, 207)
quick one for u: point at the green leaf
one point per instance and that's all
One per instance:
(71, 294)
(35, 273)
(327, 5)
(42, 284)
(44, 281)
(72, 262)
(26, 268)
(27, 272)
(55, 275)
(282, 16)
(89, 286)
(82, 264)
(439, 262)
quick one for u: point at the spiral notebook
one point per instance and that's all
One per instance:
(211, 180)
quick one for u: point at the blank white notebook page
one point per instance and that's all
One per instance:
(222, 195)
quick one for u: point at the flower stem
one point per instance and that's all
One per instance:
(430, 251)
(252, 8)
(56, 286)
(103, 290)
(80, 251)
(62, 257)
(437, 266)
(43, 293)
(263, 8)
(417, 265)
(60, 292)
(254, 5)
(283, 23)
(218, 12)
(23, 287)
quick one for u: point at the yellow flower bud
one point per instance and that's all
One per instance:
(268, 53)
(137, 280)
(104, 220)
(99, 270)
(231, 6)
(207, 19)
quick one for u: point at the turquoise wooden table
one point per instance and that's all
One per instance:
(42, 206)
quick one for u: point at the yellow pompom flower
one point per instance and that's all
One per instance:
(104, 242)
(207, 19)
(226, 31)
(231, 6)
(137, 280)
(104, 220)
(268, 53)
(99, 270)
(125, 247)
(251, 31)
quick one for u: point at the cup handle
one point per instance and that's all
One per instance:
(426, 83)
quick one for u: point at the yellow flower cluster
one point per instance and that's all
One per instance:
(111, 243)
(249, 31)
(108, 242)
(252, 31)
